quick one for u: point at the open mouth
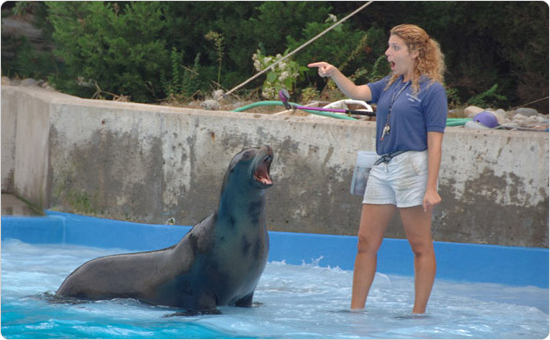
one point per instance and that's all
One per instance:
(262, 171)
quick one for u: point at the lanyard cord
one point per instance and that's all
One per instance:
(387, 127)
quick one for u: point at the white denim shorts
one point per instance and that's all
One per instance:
(401, 182)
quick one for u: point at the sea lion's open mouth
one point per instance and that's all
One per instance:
(262, 171)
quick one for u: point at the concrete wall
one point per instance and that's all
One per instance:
(9, 121)
(148, 163)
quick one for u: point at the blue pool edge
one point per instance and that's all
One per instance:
(516, 266)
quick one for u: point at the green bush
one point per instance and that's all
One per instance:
(281, 76)
(127, 48)
(21, 58)
(121, 50)
(182, 83)
(488, 98)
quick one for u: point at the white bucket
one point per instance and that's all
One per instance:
(365, 161)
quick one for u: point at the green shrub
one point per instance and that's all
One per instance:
(126, 48)
(182, 83)
(281, 76)
(217, 38)
(488, 98)
(22, 58)
(122, 50)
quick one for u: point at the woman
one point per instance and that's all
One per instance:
(410, 121)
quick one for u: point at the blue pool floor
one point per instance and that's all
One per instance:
(291, 301)
(481, 291)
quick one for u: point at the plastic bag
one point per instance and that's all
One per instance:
(365, 161)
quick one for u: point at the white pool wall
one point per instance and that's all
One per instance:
(148, 163)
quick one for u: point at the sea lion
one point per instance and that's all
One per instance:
(218, 262)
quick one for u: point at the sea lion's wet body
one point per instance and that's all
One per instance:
(219, 262)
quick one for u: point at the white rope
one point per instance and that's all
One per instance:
(299, 48)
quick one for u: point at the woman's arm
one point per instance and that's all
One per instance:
(431, 197)
(360, 92)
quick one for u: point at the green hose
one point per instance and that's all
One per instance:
(450, 121)
(279, 103)
(457, 121)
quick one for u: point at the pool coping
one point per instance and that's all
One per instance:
(515, 266)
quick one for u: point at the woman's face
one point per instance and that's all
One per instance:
(402, 62)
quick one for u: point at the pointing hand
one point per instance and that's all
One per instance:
(324, 69)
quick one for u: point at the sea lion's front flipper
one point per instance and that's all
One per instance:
(245, 301)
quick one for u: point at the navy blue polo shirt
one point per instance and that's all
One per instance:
(412, 116)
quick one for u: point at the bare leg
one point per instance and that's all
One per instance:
(417, 225)
(374, 221)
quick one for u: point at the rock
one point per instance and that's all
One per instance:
(528, 122)
(524, 121)
(47, 86)
(210, 104)
(510, 125)
(15, 27)
(28, 82)
(217, 95)
(526, 111)
(501, 116)
(471, 111)
(5, 80)
(542, 118)
(22, 26)
(518, 119)
(510, 114)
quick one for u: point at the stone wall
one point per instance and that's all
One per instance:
(149, 163)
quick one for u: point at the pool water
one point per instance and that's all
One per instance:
(291, 301)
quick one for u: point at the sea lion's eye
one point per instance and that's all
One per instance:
(248, 155)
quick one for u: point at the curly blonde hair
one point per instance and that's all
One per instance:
(430, 61)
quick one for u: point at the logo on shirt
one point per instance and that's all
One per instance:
(413, 98)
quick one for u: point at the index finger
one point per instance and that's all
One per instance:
(318, 64)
